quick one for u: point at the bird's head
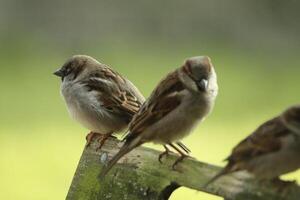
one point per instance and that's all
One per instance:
(75, 66)
(198, 75)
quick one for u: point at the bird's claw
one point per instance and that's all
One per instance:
(165, 153)
(90, 137)
(180, 159)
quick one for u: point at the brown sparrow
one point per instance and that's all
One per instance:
(98, 97)
(179, 102)
(270, 151)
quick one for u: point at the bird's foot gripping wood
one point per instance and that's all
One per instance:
(101, 138)
(165, 153)
(90, 137)
(181, 158)
(178, 160)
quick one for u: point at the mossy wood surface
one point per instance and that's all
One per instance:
(139, 175)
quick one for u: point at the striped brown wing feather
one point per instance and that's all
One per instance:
(115, 96)
(162, 101)
(266, 139)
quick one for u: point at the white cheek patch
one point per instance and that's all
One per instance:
(212, 83)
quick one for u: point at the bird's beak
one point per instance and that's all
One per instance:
(59, 73)
(202, 85)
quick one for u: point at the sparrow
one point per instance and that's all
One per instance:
(271, 150)
(98, 97)
(179, 102)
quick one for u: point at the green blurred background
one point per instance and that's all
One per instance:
(254, 46)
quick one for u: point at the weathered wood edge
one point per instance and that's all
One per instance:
(139, 175)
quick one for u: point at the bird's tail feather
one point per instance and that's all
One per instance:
(224, 171)
(126, 148)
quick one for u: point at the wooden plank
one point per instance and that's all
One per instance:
(139, 175)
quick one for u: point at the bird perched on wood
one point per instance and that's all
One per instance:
(271, 150)
(97, 96)
(179, 102)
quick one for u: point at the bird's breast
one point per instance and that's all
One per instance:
(85, 107)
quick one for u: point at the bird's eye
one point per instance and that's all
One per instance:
(67, 70)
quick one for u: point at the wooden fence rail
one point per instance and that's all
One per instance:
(139, 175)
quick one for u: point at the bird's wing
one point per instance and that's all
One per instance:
(114, 92)
(266, 139)
(165, 98)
